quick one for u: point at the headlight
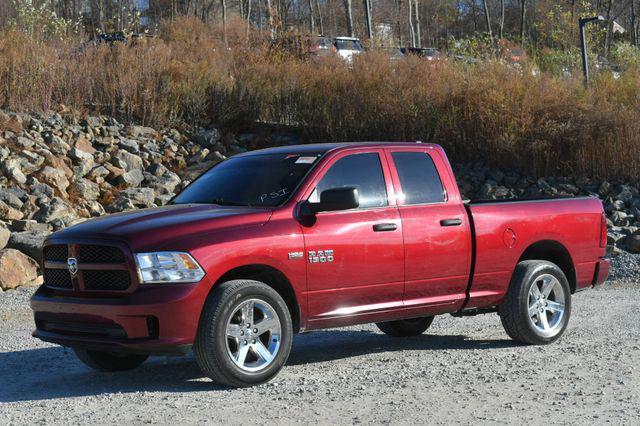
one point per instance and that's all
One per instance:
(168, 267)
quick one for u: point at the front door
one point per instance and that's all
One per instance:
(355, 257)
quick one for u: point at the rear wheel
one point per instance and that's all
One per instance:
(245, 333)
(405, 328)
(109, 361)
(537, 307)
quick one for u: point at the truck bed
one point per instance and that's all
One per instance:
(508, 231)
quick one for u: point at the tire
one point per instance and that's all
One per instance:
(220, 348)
(536, 317)
(109, 361)
(405, 328)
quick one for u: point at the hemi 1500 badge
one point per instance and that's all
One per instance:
(321, 256)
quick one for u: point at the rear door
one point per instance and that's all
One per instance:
(437, 236)
(355, 259)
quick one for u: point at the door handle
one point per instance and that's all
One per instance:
(451, 222)
(385, 227)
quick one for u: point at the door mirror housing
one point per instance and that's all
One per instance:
(331, 200)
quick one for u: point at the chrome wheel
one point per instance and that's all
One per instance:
(546, 305)
(253, 335)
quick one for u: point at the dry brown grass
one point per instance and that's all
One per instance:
(486, 112)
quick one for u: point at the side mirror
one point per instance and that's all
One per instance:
(338, 199)
(332, 200)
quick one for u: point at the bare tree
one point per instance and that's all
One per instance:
(248, 18)
(367, 17)
(272, 28)
(634, 25)
(398, 11)
(523, 13)
(609, 30)
(312, 26)
(320, 21)
(488, 19)
(502, 11)
(412, 32)
(349, 12)
(418, 37)
(223, 5)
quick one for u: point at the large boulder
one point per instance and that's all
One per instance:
(17, 269)
(10, 198)
(56, 209)
(164, 184)
(12, 123)
(28, 242)
(4, 235)
(133, 198)
(9, 213)
(632, 244)
(130, 179)
(55, 178)
(208, 137)
(86, 189)
(128, 161)
(142, 132)
(13, 170)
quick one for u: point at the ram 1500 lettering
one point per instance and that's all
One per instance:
(274, 242)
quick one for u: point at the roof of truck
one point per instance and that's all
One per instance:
(323, 148)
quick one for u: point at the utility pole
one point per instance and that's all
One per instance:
(582, 22)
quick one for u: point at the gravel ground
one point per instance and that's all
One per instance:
(464, 370)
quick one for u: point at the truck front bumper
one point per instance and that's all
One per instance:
(155, 319)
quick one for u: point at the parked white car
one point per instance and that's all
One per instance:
(348, 47)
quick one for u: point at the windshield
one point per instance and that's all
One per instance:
(349, 45)
(254, 180)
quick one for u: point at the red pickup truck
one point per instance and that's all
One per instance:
(274, 242)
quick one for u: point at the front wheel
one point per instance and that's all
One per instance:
(405, 328)
(109, 361)
(245, 333)
(537, 307)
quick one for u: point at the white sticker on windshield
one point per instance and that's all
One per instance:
(306, 160)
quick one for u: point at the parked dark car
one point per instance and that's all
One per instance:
(429, 53)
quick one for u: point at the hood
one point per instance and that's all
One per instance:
(156, 226)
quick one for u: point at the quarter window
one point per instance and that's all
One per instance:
(419, 178)
(361, 171)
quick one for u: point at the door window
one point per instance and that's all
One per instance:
(361, 171)
(419, 178)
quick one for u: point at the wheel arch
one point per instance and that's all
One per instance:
(272, 277)
(554, 252)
